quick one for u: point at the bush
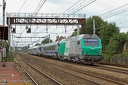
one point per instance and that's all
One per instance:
(10, 57)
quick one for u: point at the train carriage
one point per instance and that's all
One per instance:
(81, 48)
(51, 49)
(35, 50)
(30, 50)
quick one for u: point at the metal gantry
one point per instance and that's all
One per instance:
(47, 19)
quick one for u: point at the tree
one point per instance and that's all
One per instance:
(107, 32)
(37, 44)
(46, 41)
(116, 43)
(89, 24)
(25, 49)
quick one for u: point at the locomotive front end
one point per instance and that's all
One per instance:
(92, 49)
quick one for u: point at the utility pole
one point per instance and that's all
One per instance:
(4, 6)
(78, 30)
(49, 38)
(93, 27)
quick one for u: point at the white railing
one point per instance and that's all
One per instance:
(46, 15)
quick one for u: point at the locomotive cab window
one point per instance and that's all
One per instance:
(91, 41)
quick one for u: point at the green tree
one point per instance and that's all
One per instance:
(25, 49)
(116, 43)
(107, 32)
(98, 24)
(89, 25)
(46, 41)
(127, 35)
(37, 44)
(75, 32)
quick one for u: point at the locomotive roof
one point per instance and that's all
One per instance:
(78, 37)
(34, 47)
(50, 44)
(63, 40)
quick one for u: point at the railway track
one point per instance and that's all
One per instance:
(72, 78)
(86, 73)
(43, 78)
(114, 69)
(76, 71)
(33, 81)
(113, 64)
(106, 66)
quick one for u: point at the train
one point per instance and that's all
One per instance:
(81, 48)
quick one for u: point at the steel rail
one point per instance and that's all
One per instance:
(55, 81)
(26, 72)
(103, 78)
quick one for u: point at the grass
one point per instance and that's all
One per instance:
(10, 57)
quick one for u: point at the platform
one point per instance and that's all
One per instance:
(9, 75)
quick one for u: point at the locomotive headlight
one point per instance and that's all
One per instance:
(100, 51)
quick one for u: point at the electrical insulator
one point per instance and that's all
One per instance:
(28, 30)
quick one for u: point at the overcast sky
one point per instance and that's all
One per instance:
(98, 7)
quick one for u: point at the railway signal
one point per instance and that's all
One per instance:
(13, 30)
(3, 32)
(28, 30)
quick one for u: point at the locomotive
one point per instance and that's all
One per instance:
(81, 48)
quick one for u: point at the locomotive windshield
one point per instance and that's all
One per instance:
(91, 41)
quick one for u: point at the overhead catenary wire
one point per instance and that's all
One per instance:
(22, 6)
(19, 12)
(73, 7)
(41, 3)
(20, 36)
(39, 6)
(84, 5)
(121, 20)
(78, 6)
(115, 11)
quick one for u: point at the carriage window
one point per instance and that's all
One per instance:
(91, 41)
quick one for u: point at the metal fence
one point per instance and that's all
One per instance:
(120, 60)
